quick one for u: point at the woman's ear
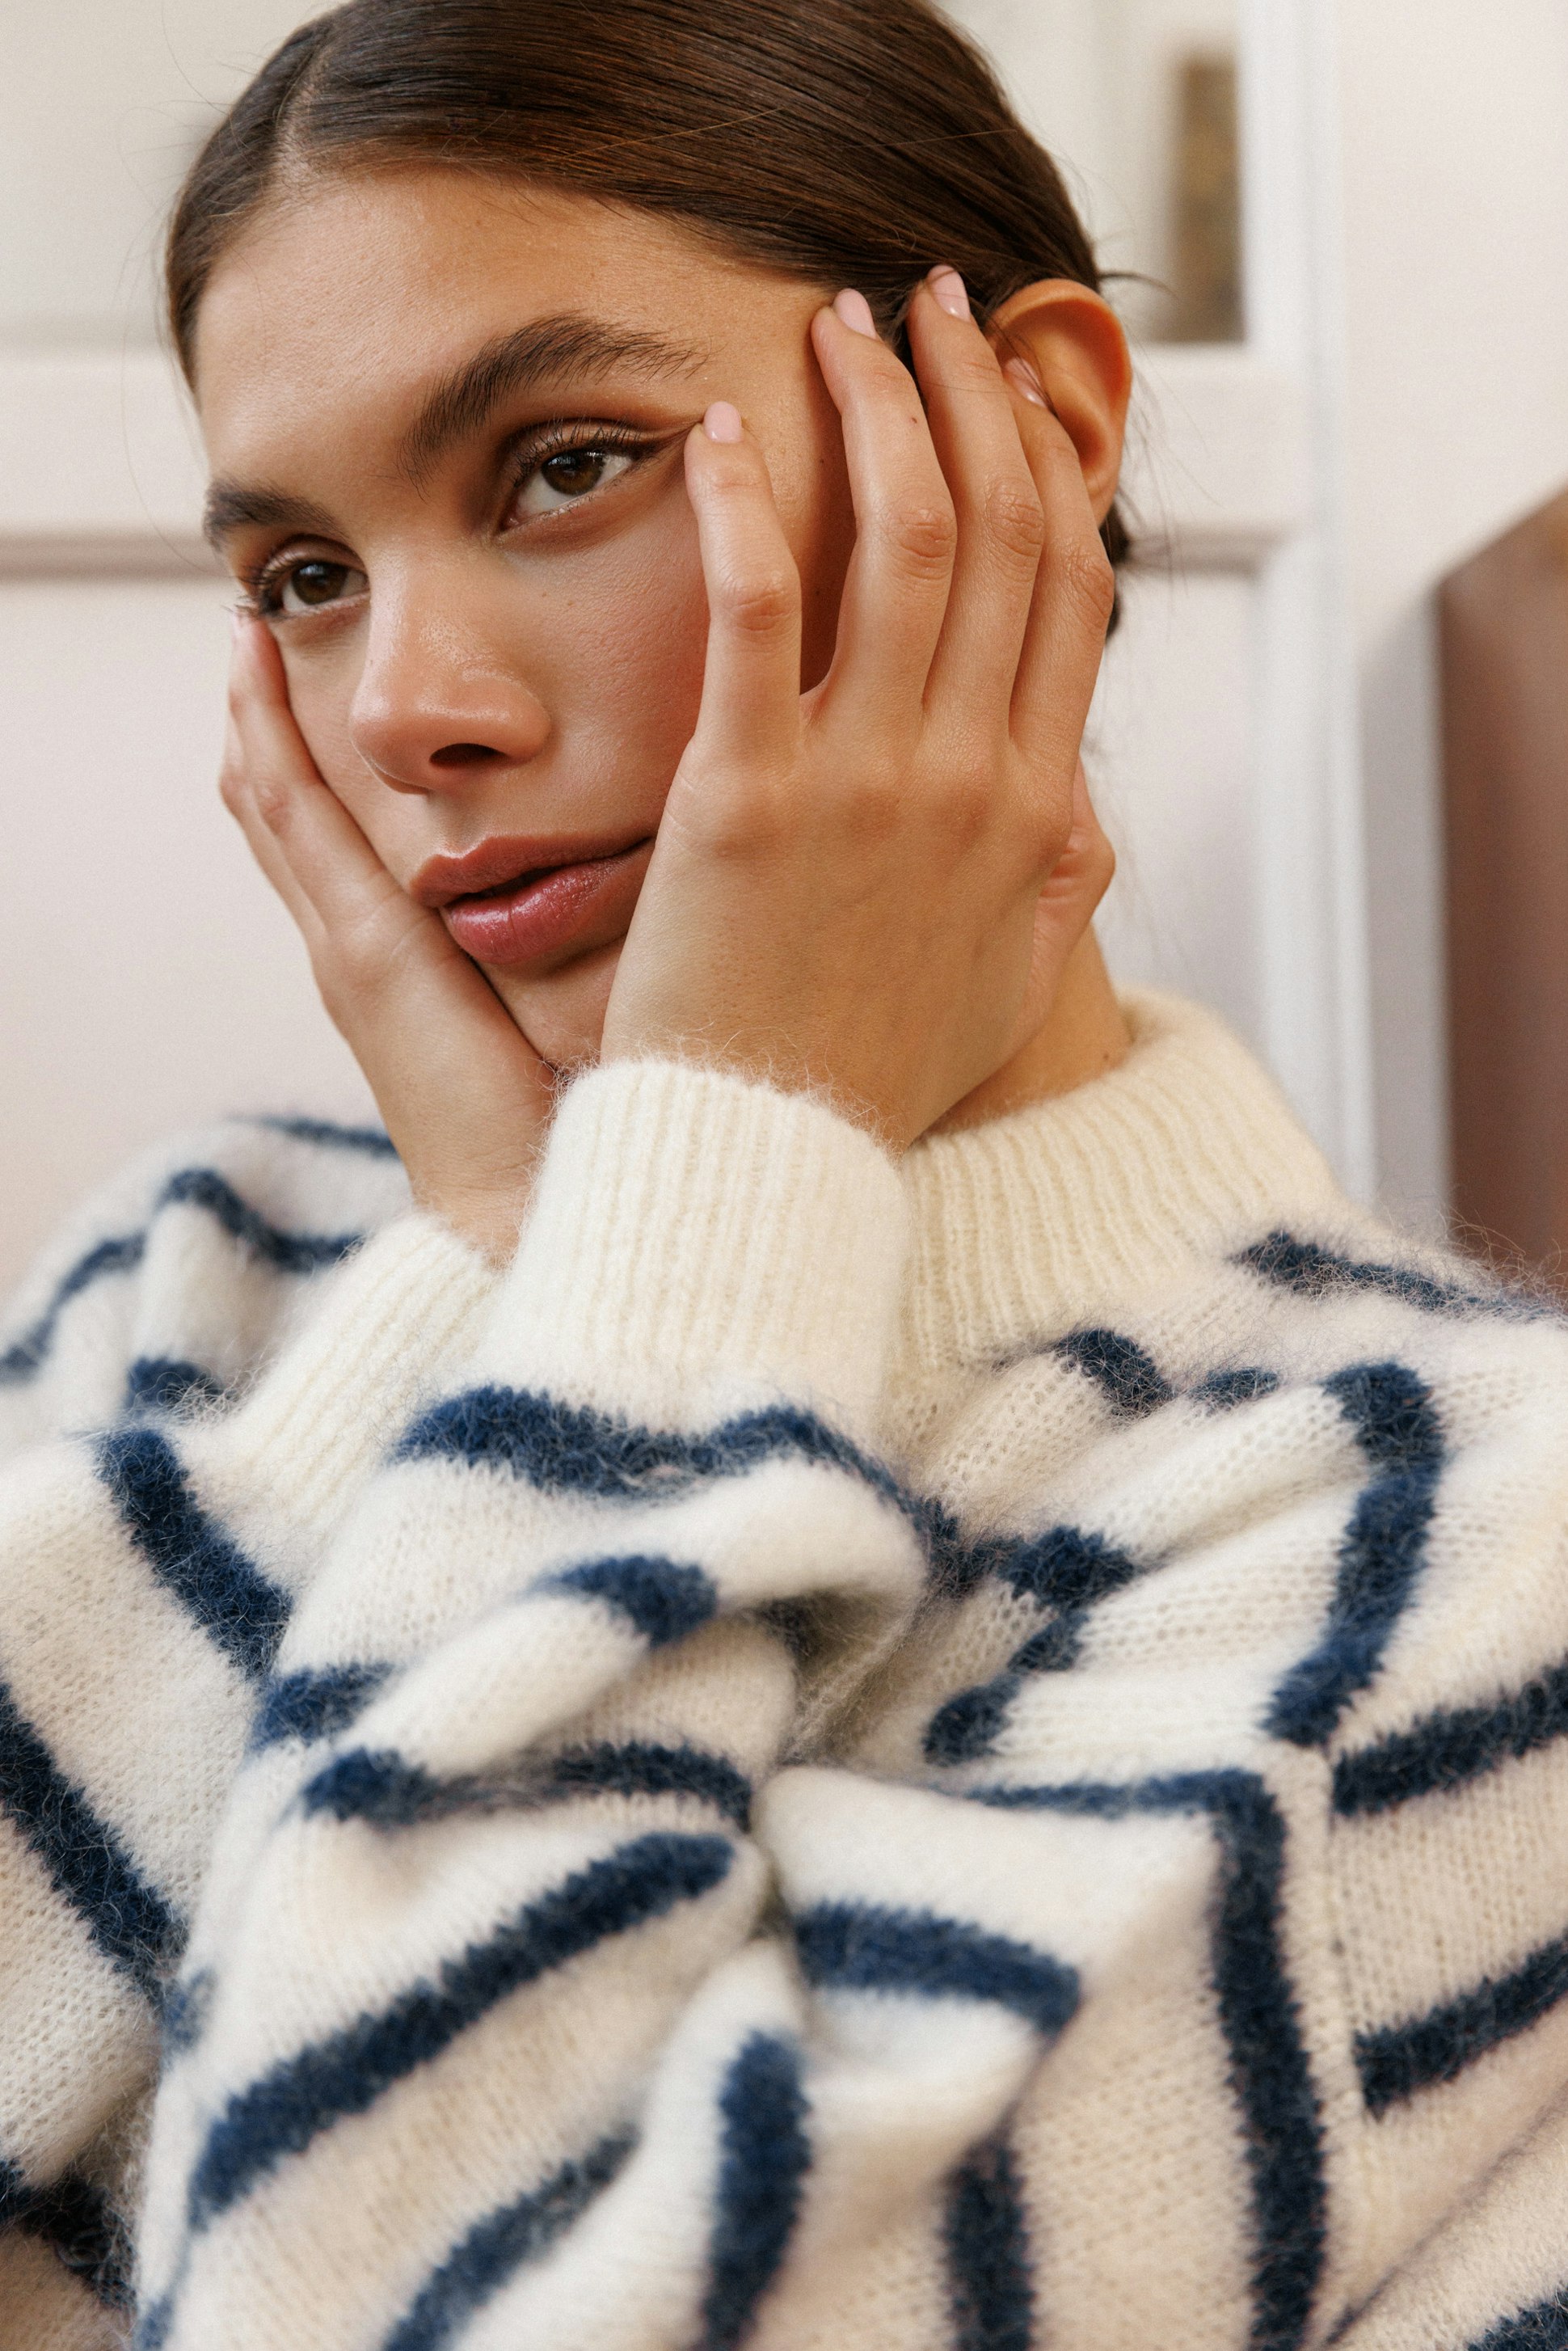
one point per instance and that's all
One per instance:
(1076, 344)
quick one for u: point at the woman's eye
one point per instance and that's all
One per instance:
(306, 586)
(569, 475)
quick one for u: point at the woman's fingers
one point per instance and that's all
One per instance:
(330, 862)
(1000, 525)
(751, 690)
(1075, 594)
(234, 787)
(895, 595)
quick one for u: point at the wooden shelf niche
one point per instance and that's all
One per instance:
(1504, 633)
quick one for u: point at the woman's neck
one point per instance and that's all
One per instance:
(1084, 1036)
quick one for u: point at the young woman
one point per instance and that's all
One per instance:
(846, 1665)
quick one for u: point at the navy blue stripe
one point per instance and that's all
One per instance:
(1384, 1550)
(388, 1792)
(153, 2323)
(968, 1725)
(123, 1255)
(986, 2240)
(1067, 1567)
(1223, 1391)
(285, 2110)
(75, 2219)
(163, 1383)
(385, 1789)
(186, 2007)
(765, 2156)
(1446, 1748)
(197, 1188)
(189, 1552)
(640, 1769)
(561, 1448)
(315, 1702)
(502, 2244)
(1544, 2328)
(128, 1918)
(660, 1598)
(204, 1187)
(371, 1140)
(1309, 1270)
(1258, 2015)
(1127, 1375)
(1400, 2059)
(960, 1564)
(854, 1947)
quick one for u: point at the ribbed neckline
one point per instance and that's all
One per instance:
(1031, 1222)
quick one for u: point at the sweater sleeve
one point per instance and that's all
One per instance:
(147, 1572)
(488, 1950)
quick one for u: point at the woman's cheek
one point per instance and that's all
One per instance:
(642, 638)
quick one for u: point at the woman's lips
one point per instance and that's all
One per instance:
(556, 911)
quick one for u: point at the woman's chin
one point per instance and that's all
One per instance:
(562, 1013)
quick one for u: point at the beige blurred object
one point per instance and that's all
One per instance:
(1504, 622)
(1206, 205)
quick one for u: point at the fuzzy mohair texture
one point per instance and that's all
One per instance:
(952, 1756)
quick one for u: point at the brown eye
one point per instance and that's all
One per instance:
(570, 474)
(574, 471)
(307, 587)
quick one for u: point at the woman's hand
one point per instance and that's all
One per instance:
(850, 891)
(465, 1095)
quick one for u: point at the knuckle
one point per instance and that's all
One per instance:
(759, 602)
(272, 803)
(1014, 521)
(1087, 579)
(923, 538)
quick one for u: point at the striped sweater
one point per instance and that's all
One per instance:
(956, 1757)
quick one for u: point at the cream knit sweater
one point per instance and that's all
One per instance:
(845, 1758)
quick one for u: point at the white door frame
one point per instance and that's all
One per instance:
(1312, 879)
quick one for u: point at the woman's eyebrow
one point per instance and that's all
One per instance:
(568, 345)
(231, 504)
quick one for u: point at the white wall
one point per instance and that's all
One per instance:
(1455, 128)
(102, 104)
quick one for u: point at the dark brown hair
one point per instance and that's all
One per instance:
(846, 142)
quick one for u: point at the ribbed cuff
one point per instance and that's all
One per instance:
(689, 1225)
(400, 1313)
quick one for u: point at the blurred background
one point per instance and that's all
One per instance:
(1342, 225)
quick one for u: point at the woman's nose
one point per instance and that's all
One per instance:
(435, 707)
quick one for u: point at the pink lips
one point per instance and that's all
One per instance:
(517, 901)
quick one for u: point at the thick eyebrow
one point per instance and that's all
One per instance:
(460, 405)
(568, 345)
(231, 504)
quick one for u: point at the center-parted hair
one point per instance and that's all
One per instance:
(844, 142)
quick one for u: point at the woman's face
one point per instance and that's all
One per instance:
(445, 417)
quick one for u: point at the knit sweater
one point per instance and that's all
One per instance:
(956, 1756)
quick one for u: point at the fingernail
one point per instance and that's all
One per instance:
(856, 312)
(950, 291)
(1023, 379)
(723, 423)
